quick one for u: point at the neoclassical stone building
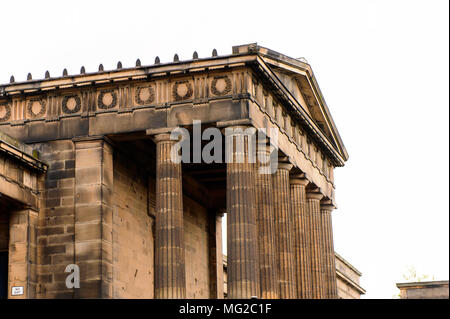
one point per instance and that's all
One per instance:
(87, 179)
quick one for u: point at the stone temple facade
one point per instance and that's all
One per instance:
(88, 180)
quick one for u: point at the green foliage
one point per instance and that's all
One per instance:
(411, 275)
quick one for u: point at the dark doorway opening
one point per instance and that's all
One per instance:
(3, 274)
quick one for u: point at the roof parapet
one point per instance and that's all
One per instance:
(101, 68)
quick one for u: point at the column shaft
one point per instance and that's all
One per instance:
(284, 227)
(329, 257)
(266, 230)
(219, 257)
(301, 237)
(242, 246)
(170, 276)
(317, 280)
(215, 266)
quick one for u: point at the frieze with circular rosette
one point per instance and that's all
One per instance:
(107, 99)
(144, 95)
(71, 104)
(36, 108)
(182, 90)
(5, 112)
(221, 85)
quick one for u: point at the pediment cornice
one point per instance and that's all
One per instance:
(316, 110)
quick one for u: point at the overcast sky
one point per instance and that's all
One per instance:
(383, 67)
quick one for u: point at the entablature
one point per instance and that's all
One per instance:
(20, 170)
(158, 85)
(218, 88)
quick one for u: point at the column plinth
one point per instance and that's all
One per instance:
(301, 236)
(170, 281)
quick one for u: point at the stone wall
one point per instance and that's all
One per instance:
(133, 238)
(196, 249)
(22, 254)
(346, 291)
(438, 289)
(56, 219)
(347, 279)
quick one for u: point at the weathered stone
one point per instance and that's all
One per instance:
(242, 241)
(269, 273)
(102, 195)
(284, 230)
(170, 271)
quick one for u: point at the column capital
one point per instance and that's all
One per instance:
(163, 137)
(160, 134)
(263, 143)
(298, 179)
(241, 122)
(92, 139)
(285, 166)
(284, 163)
(237, 129)
(314, 195)
(327, 206)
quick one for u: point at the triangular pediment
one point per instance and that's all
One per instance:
(293, 86)
(298, 79)
(301, 90)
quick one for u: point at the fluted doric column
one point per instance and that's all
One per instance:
(301, 236)
(170, 281)
(284, 227)
(328, 252)
(242, 245)
(315, 241)
(265, 220)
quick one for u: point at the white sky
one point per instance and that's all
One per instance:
(383, 67)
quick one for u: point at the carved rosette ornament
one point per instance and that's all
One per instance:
(107, 99)
(71, 104)
(144, 95)
(182, 90)
(36, 104)
(216, 84)
(5, 112)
